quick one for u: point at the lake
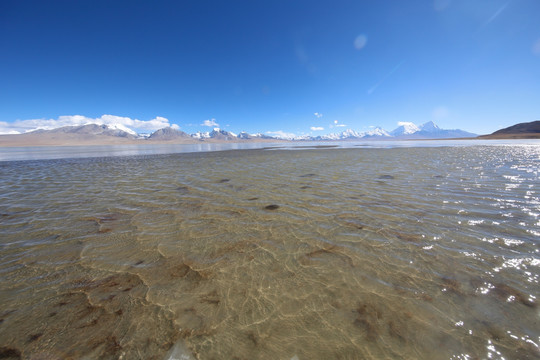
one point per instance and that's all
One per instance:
(362, 251)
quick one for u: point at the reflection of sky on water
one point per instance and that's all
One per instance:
(66, 152)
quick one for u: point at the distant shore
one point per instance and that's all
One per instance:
(29, 140)
(509, 136)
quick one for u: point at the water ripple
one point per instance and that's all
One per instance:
(322, 253)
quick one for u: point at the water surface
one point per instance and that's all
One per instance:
(356, 253)
(69, 152)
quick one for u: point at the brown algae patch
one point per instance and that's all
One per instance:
(508, 293)
(10, 353)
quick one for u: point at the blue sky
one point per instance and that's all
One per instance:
(262, 66)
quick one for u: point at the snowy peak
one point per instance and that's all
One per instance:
(93, 130)
(121, 127)
(350, 134)
(201, 135)
(428, 130)
(430, 127)
(246, 136)
(405, 128)
(344, 135)
(219, 134)
(376, 132)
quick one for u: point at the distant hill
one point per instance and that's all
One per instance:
(90, 130)
(90, 134)
(530, 130)
(168, 133)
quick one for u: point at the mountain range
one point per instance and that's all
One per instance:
(110, 133)
(405, 130)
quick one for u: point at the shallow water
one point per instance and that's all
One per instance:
(428, 253)
(64, 152)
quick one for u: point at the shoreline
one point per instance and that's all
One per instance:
(14, 141)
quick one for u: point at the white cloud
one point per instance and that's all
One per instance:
(316, 128)
(281, 134)
(405, 123)
(536, 47)
(5, 129)
(212, 122)
(360, 41)
(319, 115)
(337, 124)
(22, 126)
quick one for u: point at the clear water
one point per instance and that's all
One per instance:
(356, 253)
(63, 152)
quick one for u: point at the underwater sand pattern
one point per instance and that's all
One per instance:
(306, 254)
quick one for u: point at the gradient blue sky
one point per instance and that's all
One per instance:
(271, 65)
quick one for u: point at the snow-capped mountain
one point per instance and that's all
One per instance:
(201, 135)
(121, 127)
(220, 134)
(376, 132)
(404, 128)
(429, 127)
(246, 136)
(92, 130)
(350, 134)
(217, 134)
(428, 130)
(344, 135)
